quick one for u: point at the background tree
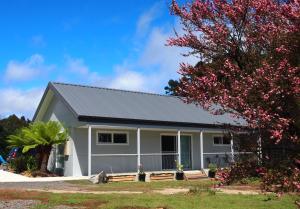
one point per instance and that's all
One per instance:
(171, 89)
(41, 137)
(9, 126)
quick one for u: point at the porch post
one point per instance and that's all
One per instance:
(89, 150)
(231, 147)
(178, 147)
(138, 148)
(201, 150)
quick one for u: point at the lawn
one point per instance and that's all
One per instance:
(201, 196)
(142, 186)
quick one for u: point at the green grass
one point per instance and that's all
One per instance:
(141, 186)
(203, 200)
(201, 196)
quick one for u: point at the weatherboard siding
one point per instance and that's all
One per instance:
(150, 143)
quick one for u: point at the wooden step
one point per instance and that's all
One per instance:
(121, 178)
(161, 176)
(193, 176)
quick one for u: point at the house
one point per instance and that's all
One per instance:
(117, 130)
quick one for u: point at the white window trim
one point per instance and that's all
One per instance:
(112, 138)
(219, 145)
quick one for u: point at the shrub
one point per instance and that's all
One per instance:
(31, 163)
(238, 172)
(18, 164)
(23, 163)
(212, 167)
(281, 179)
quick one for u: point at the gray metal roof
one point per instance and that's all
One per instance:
(98, 102)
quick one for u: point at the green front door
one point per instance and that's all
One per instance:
(186, 154)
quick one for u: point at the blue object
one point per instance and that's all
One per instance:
(13, 153)
(2, 161)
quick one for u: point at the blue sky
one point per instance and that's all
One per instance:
(116, 44)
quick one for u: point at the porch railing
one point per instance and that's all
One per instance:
(224, 159)
(127, 163)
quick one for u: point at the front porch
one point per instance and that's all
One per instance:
(149, 149)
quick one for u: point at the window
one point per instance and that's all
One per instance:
(221, 140)
(226, 140)
(112, 138)
(120, 138)
(104, 138)
(218, 139)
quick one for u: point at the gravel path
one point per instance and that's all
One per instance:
(27, 204)
(18, 204)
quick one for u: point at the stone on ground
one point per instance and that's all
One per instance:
(99, 178)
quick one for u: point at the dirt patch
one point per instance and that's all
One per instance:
(136, 207)
(60, 191)
(243, 187)
(7, 196)
(87, 204)
(170, 191)
(238, 191)
(38, 174)
(39, 185)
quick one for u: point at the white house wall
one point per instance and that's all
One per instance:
(150, 143)
(57, 111)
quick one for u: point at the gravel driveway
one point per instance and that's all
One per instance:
(18, 204)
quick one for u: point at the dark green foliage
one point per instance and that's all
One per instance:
(18, 164)
(40, 136)
(31, 163)
(24, 163)
(10, 126)
(171, 89)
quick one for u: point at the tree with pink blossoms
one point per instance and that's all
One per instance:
(249, 62)
(249, 54)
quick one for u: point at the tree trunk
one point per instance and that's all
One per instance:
(44, 158)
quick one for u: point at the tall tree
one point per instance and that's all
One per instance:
(171, 89)
(40, 136)
(249, 61)
(9, 126)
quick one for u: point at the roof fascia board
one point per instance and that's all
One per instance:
(41, 103)
(147, 122)
(56, 92)
(50, 86)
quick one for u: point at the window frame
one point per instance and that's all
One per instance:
(112, 138)
(222, 144)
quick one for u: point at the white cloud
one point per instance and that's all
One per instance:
(156, 63)
(30, 69)
(145, 20)
(77, 70)
(19, 102)
(129, 80)
(155, 66)
(77, 65)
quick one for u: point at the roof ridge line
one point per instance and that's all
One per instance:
(112, 89)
